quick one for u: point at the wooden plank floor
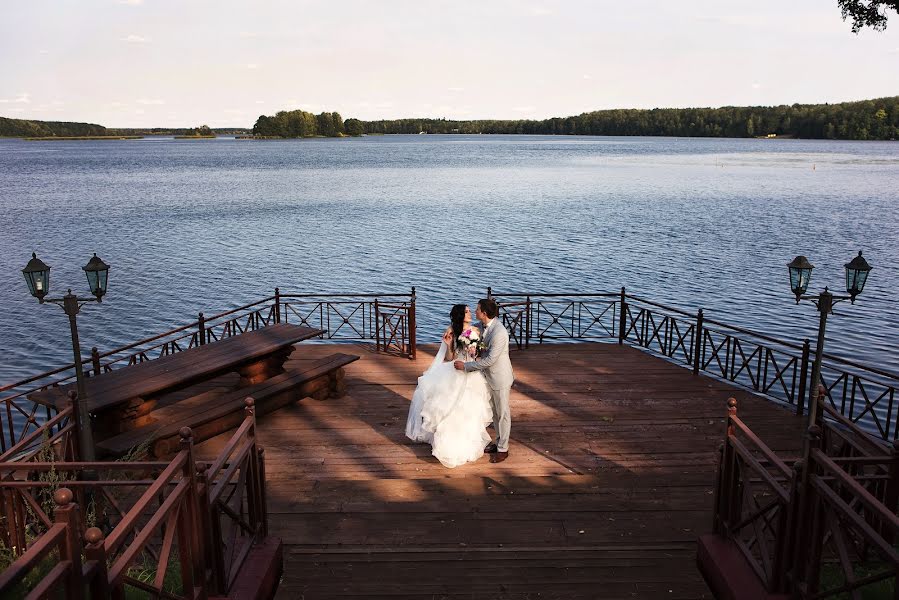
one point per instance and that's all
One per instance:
(608, 484)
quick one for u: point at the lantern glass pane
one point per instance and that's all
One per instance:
(92, 280)
(855, 280)
(30, 281)
(799, 279)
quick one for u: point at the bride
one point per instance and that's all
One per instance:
(451, 409)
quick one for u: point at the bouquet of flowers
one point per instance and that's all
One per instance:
(470, 341)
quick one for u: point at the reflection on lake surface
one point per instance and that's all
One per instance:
(191, 226)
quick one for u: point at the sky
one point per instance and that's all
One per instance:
(168, 63)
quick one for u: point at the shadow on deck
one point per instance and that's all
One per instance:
(608, 484)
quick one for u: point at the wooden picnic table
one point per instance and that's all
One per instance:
(256, 355)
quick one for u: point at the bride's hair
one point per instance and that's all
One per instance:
(457, 319)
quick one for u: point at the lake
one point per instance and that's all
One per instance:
(207, 225)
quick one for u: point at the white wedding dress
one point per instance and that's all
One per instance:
(450, 410)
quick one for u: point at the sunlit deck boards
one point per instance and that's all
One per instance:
(608, 483)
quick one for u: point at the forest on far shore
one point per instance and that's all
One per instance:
(876, 119)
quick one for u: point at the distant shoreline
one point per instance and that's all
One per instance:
(75, 138)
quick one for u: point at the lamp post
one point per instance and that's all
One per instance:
(37, 276)
(800, 275)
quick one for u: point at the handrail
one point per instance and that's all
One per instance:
(41, 547)
(761, 446)
(31, 437)
(861, 494)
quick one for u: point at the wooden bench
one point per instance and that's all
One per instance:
(216, 411)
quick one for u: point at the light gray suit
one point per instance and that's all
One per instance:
(494, 363)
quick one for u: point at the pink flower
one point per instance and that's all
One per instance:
(467, 333)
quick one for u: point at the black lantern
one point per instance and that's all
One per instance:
(37, 276)
(97, 273)
(856, 274)
(800, 275)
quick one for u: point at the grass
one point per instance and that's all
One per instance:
(832, 577)
(146, 573)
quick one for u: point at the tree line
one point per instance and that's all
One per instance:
(299, 123)
(866, 120)
(26, 128)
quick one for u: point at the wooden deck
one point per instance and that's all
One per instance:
(608, 484)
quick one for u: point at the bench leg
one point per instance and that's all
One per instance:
(337, 383)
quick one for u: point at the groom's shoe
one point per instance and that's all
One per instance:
(499, 457)
(490, 448)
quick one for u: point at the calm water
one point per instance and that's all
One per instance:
(190, 226)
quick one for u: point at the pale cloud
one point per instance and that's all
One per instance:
(756, 86)
(139, 111)
(894, 51)
(234, 111)
(587, 77)
(455, 89)
(524, 109)
(248, 34)
(541, 11)
(260, 102)
(135, 39)
(252, 66)
(42, 51)
(21, 98)
(116, 105)
(131, 2)
(735, 20)
(150, 101)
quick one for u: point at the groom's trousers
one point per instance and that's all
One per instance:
(502, 417)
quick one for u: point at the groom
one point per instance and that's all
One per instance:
(494, 363)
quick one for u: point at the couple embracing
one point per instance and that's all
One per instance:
(465, 389)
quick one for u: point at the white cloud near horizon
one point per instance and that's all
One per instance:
(499, 59)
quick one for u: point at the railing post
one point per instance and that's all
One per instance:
(190, 550)
(66, 512)
(277, 305)
(527, 323)
(95, 552)
(697, 343)
(412, 326)
(719, 492)
(489, 292)
(261, 454)
(732, 504)
(891, 494)
(811, 520)
(788, 535)
(377, 327)
(95, 360)
(622, 318)
(201, 326)
(803, 377)
(253, 492)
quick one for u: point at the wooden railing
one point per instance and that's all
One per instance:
(151, 526)
(385, 320)
(233, 490)
(823, 527)
(61, 546)
(778, 369)
(752, 500)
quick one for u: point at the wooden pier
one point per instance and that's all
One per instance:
(609, 482)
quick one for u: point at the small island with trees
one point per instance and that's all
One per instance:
(203, 132)
(302, 124)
